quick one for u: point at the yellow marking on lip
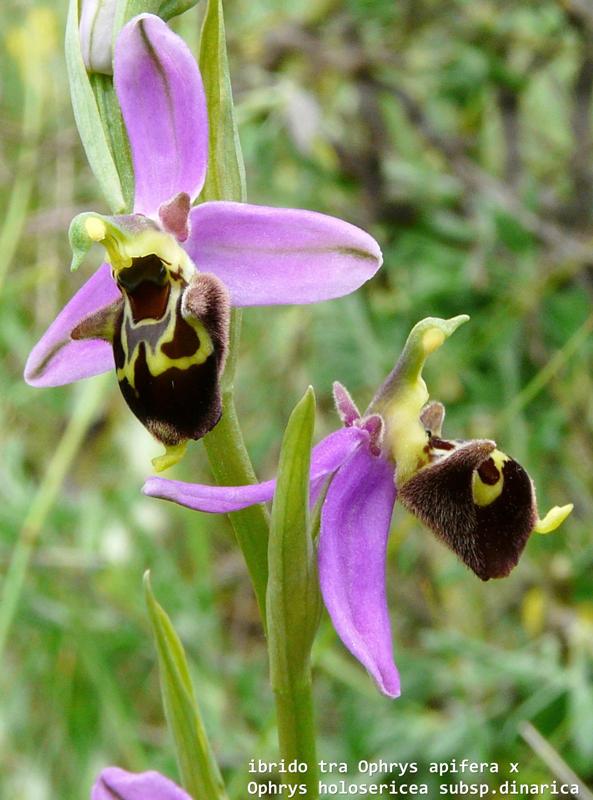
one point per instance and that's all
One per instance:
(485, 493)
(158, 362)
(150, 242)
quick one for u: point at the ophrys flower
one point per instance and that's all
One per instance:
(159, 309)
(477, 500)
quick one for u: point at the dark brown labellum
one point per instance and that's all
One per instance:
(170, 348)
(169, 342)
(459, 496)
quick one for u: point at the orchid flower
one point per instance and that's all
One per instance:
(159, 309)
(116, 784)
(476, 499)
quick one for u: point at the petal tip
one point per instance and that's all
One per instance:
(151, 487)
(392, 692)
(553, 519)
(386, 678)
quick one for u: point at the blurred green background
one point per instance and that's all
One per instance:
(459, 134)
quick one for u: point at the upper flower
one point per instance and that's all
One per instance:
(160, 307)
(477, 500)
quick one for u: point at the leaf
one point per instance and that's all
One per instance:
(293, 597)
(88, 118)
(225, 179)
(172, 8)
(199, 771)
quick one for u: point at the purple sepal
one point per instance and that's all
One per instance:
(117, 784)
(355, 526)
(161, 94)
(326, 457)
(276, 256)
(56, 359)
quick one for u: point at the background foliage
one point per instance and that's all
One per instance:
(459, 133)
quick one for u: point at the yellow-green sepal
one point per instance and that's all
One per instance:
(199, 771)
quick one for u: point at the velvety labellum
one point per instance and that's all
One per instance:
(169, 342)
(478, 501)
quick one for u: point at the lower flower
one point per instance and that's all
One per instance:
(477, 500)
(117, 784)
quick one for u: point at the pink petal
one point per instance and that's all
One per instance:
(117, 784)
(56, 359)
(352, 546)
(160, 91)
(272, 256)
(326, 457)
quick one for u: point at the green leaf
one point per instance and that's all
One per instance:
(225, 179)
(198, 768)
(293, 598)
(173, 8)
(88, 118)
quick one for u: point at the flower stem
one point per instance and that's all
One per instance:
(296, 734)
(231, 466)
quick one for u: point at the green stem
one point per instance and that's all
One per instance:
(296, 734)
(231, 466)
